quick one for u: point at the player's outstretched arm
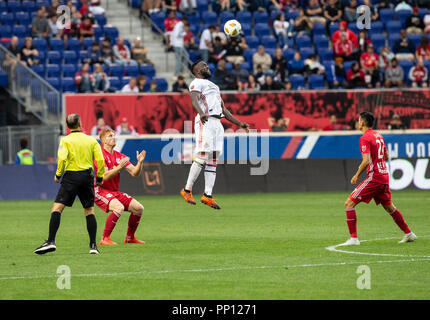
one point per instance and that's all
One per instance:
(363, 165)
(135, 171)
(232, 118)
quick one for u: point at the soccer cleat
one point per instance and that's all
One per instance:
(408, 238)
(107, 242)
(210, 202)
(134, 240)
(351, 242)
(188, 196)
(47, 246)
(94, 249)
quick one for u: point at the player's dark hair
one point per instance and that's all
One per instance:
(23, 142)
(368, 118)
(194, 65)
(73, 121)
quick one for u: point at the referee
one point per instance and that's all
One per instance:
(75, 159)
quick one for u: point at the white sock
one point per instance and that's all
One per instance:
(210, 176)
(195, 169)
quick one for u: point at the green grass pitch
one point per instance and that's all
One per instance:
(259, 246)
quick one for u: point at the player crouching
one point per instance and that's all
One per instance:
(108, 198)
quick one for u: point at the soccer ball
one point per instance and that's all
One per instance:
(232, 28)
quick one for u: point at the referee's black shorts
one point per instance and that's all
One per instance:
(77, 183)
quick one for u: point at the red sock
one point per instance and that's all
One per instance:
(351, 221)
(110, 223)
(133, 223)
(400, 221)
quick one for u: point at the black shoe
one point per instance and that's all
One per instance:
(47, 246)
(94, 249)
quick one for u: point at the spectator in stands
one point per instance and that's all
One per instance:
(141, 83)
(355, 76)
(139, 53)
(218, 33)
(222, 77)
(84, 80)
(313, 66)
(13, 47)
(99, 127)
(332, 12)
(252, 84)
(169, 23)
(384, 4)
(427, 23)
(315, 12)
(177, 41)
(350, 35)
(180, 85)
(153, 87)
(40, 25)
(363, 42)
(239, 74)
(100, 79)
(423, 49)
(279, 125)
(55, 31)
(283, 5)
(404, 48)
(344, 48)
(270, 85)
(418, 75)
(107, 51)
(262, 58)
(282, 29)
(403, 5)
(297, 65)
(235, 48)
(86, 29)
(52, 9)
(350, 11)
(150, 7)
(394, 75)
(131, 86)
(122, 53)
(217, 51)
(259, 74)
(71, 28)
(96, 7)
(334, 126)
(373, 10)
(189, 40)
(10, 61)
(414, 23)
(396, 123)
(206, 42)
(168, 5)
(278, 58)
(29, 55)
(25, 156)
(189, 6)
(278, 73)
(339, 75)
(94, 55)
(370, 64)
(257, 5)
(385, 58)
(85, 8)
(303, 25)
(125, 129)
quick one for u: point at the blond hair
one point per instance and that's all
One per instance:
(104, 133)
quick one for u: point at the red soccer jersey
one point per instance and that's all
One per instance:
(112, 161)
(374, 144)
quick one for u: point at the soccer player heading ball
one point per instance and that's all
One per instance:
(376, 185)
(209, 132)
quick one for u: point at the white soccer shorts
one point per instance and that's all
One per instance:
(210, 136)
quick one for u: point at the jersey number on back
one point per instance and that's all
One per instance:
(380, 144)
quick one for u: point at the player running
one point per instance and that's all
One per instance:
(108, 198)
(376, 185)
(209, 132)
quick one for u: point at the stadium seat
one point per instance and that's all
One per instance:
(111, 32)
(263, 29)
(125, 81)
(202, 5)
(3, 6)
(348, 64)
(224, 17)
(252, 41)
(406, 66)
(297, 81)
(70, 57)
(7, 18)
(115, 83)
(100, 19)
(269, 42)
(402, 15)
(131, 71)
(36, 89)
(386, 15)
(377, 27)
(289, 54)
(325, 54)
(261, 17)
(318, 30)
(54, 104)
(83, 54)
(244, 17)
(5, 31)
(69, 84)
(333, 28)
(378, 40)
(53, 70)
(147, 70)
(392, 38)
(87, 42)
(194, 20)
(19, 31)
(69, 70)
(40, 3)
(39, 69)
(161, 83)
(393, 27)
(316, 81)
(303, 42)
(246, 29)
(306, 52)
(42, 57)
(321, 41)
(14, 6)
(210, 17)
(246, 66)
(54, 82)
(292, 15)
(28, 6)
(423, 12)
(158, 19)
(416, 39)
(247, 54)
(329, 71)
(98, 33)
(23, 18)
(56, 44)
(194, 55)
(353, 27)
(116, 70)
(40, 44)
(54, 57)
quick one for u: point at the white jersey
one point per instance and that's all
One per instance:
(210, 96)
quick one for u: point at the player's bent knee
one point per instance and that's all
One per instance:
(117, 207)
(349, 204)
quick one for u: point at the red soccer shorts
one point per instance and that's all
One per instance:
(103, 197)
(368, 190)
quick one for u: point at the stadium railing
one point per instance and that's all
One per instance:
(33, 92)
(43, 141)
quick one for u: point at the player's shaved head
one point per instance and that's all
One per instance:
(73, 121)
(201, 70)
(194, 66)
(368, 119)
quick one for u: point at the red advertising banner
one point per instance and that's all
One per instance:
(302, 110)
